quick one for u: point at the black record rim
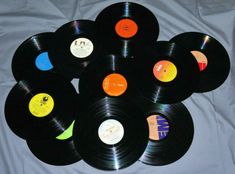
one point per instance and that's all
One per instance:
(27, 126)
(181, 87)
(218, 66)
(178, 140)
(117, 156)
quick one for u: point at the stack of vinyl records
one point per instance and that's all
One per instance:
(131, 89)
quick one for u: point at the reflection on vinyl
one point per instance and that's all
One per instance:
(170, 133)
(41, 108)
(56, 151)
(124, 25)
(75, 46)
(112, 133)
(31, 58)
(212, 58)
(165, 73)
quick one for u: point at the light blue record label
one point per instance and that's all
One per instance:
(43, 62)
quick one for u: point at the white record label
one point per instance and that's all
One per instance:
(81, 47)
(111, 131)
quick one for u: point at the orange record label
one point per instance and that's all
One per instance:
(158, 127)
(201, 59)
(114, 84)
(164, 71)
(126, 28)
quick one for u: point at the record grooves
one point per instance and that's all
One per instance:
(107, 76)
(55, 151)
(207, 50)
(31, 59)
(176, 143)
(34, 109)
(168, 73)
(112, 133)
(122, 26)
(75, 46)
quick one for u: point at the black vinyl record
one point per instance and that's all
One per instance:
(165, 73)
(171, 133)
(40, 109)
(122, 26)
(31, 58)
(75, 46)
(212, 58)
(108, 76)
(112, 133)
(55, 151)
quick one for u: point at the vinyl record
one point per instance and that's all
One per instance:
(40, 109)
(56, 151)
(122, 26)
(171, 133)
(112, 133)
(75, 46)
(31, 58)
(165, 73)
(108, 76)
(211, 56)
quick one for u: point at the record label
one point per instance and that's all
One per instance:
(164, 71)
(114, 84)
(81, 47)
(158, 127)
(41, 105)
(111, 131)
(201, 59)
(67, 133)
(43, 62)
(126, 28)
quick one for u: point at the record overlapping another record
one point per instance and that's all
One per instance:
(108, 76)
(122, 26)
(75, 46)
(35, 109)
(165, 72)
(112, 133)
(31, 58)
(211, 56)
(58, 151)
(171, 133)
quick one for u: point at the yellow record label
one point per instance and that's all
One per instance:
(41, 105)
(165, 71)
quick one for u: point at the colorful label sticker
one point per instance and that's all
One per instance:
(158, 127)
(67, 133)
(41, 105)
(43, 62)
(126, 28)
(81, 47)
(114, 84)
(201, 59)
(110, 131)
(165, 71)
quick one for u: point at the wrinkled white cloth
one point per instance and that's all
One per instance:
(213, 113)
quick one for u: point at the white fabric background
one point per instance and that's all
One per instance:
(213, 113)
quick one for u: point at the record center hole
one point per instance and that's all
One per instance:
(165, 71)
(41, 105)
(111, 131)
(126, 28)
(81, 47)
(158, 127)
(114, 84)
